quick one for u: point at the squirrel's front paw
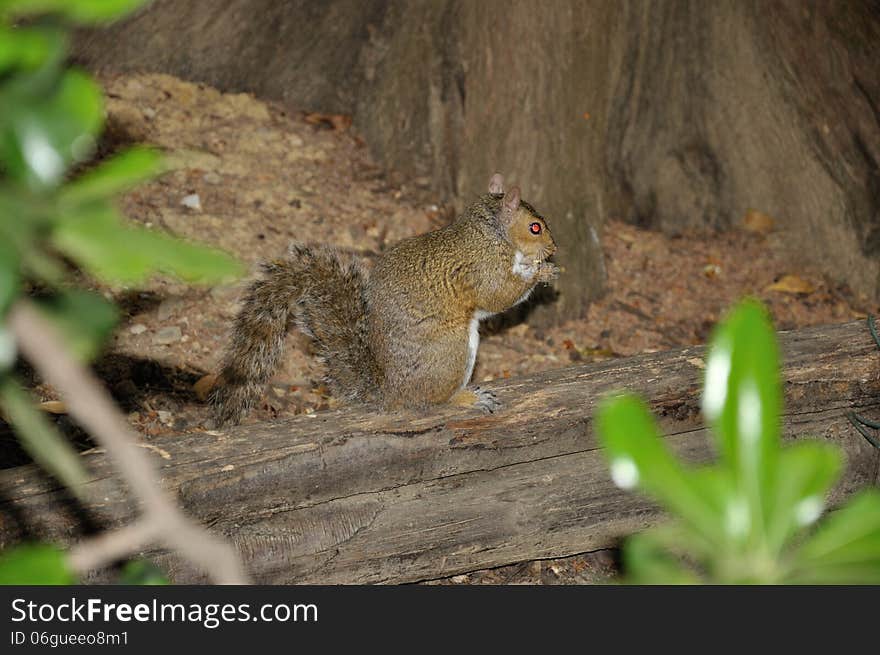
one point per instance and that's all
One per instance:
(547, 272)
(486, 400)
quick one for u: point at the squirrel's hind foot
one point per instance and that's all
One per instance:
(230, 403)
(477, 397)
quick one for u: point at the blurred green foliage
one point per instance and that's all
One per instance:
(35, 564)
(45, 564)
(751, 517)
(142, 572)
(77, 11)
(51, 116)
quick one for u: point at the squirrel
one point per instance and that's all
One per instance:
(404, 336)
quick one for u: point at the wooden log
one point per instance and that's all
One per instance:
(351, 496)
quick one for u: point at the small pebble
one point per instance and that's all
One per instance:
(168, 335)
(164, 416)
(138, 328)
(168, 307)
(192, 201)
(226, 292)
(212, 178)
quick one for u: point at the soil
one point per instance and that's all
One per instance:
(250, 176)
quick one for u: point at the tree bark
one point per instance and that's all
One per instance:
(675, 114)
(449, 91)
(351, 496)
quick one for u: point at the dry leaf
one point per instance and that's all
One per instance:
(711, 271)
(791, 284)
(758, 222)
(53, 407)
(205, 385)
(339, 122)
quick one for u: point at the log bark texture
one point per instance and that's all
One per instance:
(351, 496)
(672, 113)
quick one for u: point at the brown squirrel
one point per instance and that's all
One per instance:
(407, 334)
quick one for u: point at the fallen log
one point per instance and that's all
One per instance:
(350, 496)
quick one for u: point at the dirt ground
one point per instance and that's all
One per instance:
(249, 177)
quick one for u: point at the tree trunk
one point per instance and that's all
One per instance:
(678, 114)
(355, 497)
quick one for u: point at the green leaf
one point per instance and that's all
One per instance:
(807, 470)
(729, 531)
(846, 548)
(737, 518)
(24, 222)
(112, 251)
(142, 572)
(35, 78)
(81, 11)
(40, 438)
(194, 262)
(37, 564)
(638, 457)
(23, 48)
(647, 559)
(44, 134)
(85, 319)
(9, 277)
(115, 175)
(742, 402)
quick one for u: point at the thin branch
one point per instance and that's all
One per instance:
(113, 545)
(91, 406)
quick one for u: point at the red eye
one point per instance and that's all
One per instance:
(535, 228)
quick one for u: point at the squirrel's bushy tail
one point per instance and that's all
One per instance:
(313, 289)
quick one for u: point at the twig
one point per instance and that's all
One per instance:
(113, 545)
(91, 406)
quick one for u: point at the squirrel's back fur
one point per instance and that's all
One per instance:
(322, 295)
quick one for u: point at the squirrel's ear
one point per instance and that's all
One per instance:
(496, 184)
(509, 205)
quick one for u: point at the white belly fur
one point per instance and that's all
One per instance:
(521, 268)
(473, 344)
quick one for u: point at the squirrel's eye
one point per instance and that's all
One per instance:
(535, 228)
